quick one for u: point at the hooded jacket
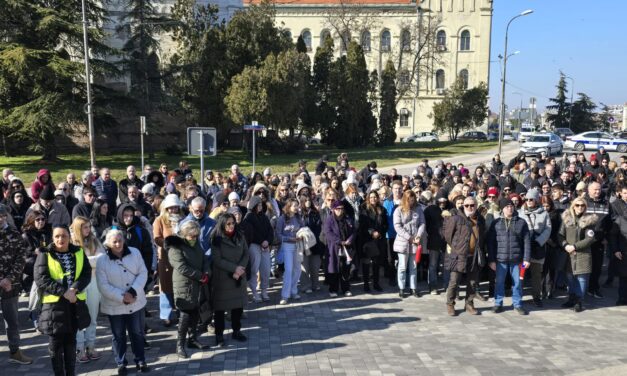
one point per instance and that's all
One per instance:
(189, 265)
(581, 232)
(135, 235)
(38, 185)
(18, 212)
(540, 227)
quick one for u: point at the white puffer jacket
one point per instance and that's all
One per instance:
(117, 276)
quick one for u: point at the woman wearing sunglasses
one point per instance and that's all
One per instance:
(576, 236)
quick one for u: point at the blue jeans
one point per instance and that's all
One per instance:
(134, 324)
(499, 288)
(166, 304)
(434, 262)
(291, 261)
(578, 284)
(406, 264)
(86, 339)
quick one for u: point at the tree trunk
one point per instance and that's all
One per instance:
(50, 152)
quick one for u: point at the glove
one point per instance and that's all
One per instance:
(204, 279)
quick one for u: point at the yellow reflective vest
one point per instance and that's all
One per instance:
(56, 273)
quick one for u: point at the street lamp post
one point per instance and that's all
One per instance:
(90, 114)
(570, 112)
(505, 57)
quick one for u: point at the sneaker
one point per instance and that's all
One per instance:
(93, 354)
(18, 357)
(578, 307)
(82, 357)
(333, 295)
(25, 294)
(296, 297)
(481, 297)
(497, 309)
(521, 311)
(308, 291)
(434, 292)
(348, 293)
(283, 302)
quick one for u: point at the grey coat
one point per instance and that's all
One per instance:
(227, 255)
(188, 264)
(407, 227)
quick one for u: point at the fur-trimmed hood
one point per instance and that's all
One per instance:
(174, 241)
(586, 220)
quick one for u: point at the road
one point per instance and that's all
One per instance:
(470, 160)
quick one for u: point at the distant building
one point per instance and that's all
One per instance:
(386, 29)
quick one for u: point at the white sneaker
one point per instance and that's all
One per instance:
(283, 302)
(348, 293)
(296, 297)
(332, 295)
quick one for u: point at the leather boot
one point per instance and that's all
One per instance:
(193, 343)
(180, 349)
(450, 310)
(470, 309)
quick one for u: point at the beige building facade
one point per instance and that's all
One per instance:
(459, 33)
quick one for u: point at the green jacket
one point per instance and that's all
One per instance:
(580, 232)
(227, 254)
(188, 264)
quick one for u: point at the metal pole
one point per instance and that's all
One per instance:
(572, 90)
(142, 130)
(254, 132)
(90, 114)
(202, 161)
(502, 123)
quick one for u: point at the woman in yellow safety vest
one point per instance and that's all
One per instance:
(62, 272)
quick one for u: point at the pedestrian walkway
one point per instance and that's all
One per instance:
(378, 334)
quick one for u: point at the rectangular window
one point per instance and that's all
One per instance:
(404, 120)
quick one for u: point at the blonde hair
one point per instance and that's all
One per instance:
(577, 200)
(405, 207)
(89, 244)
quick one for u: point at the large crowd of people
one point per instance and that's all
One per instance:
(210, 244)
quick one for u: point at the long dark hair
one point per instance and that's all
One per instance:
(95, 218)
(218, 232)
(29, 222)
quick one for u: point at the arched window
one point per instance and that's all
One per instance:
(464, 41)
(324, 34)
(306, 35)
(441, 40)
(406, 40)
(463, 75)
(439, 79)
(386, 41)
(346, 40)
(365, 40)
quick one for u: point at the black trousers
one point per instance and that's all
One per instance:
(598, 255)
(368, 263)
(236, 320)
(62, 349)
(188, 325)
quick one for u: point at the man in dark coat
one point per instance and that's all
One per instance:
(107, 189)
(12, 261)
(84, 207)
(435, 241)
(597, 204)
(464, 233)
(321, 165)
(509, 245)
(618, 242)
(135, 197)
(131, 179)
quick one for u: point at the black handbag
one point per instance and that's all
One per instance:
(371, 249)
(83, 319)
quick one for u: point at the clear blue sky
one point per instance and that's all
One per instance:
(585, 39)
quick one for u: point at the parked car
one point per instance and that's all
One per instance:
(421, 137)
(595, 139)
(474, 135)
(493, 136)
(563, 132)
(620, 134)
(537, 143)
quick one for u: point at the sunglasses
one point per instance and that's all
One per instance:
(491, 196)
(469, 205)
(580, 205)
(40, 219)
(530, 199)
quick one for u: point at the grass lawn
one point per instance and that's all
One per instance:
(26, 167)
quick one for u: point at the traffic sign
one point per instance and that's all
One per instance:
(196, 143)
(254, 127)
(611, 120)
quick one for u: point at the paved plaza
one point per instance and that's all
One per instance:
(378, 334)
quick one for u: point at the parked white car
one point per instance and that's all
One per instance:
(594, 140)
(421, 137)
(537, 143)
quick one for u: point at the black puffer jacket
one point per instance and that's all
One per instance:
(509, 244)
(60, 317)
(257, 227)
(434, 222)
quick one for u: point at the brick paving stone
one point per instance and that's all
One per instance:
(379, 335)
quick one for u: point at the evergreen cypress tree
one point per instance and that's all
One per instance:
(386, 134)
(561, 109)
